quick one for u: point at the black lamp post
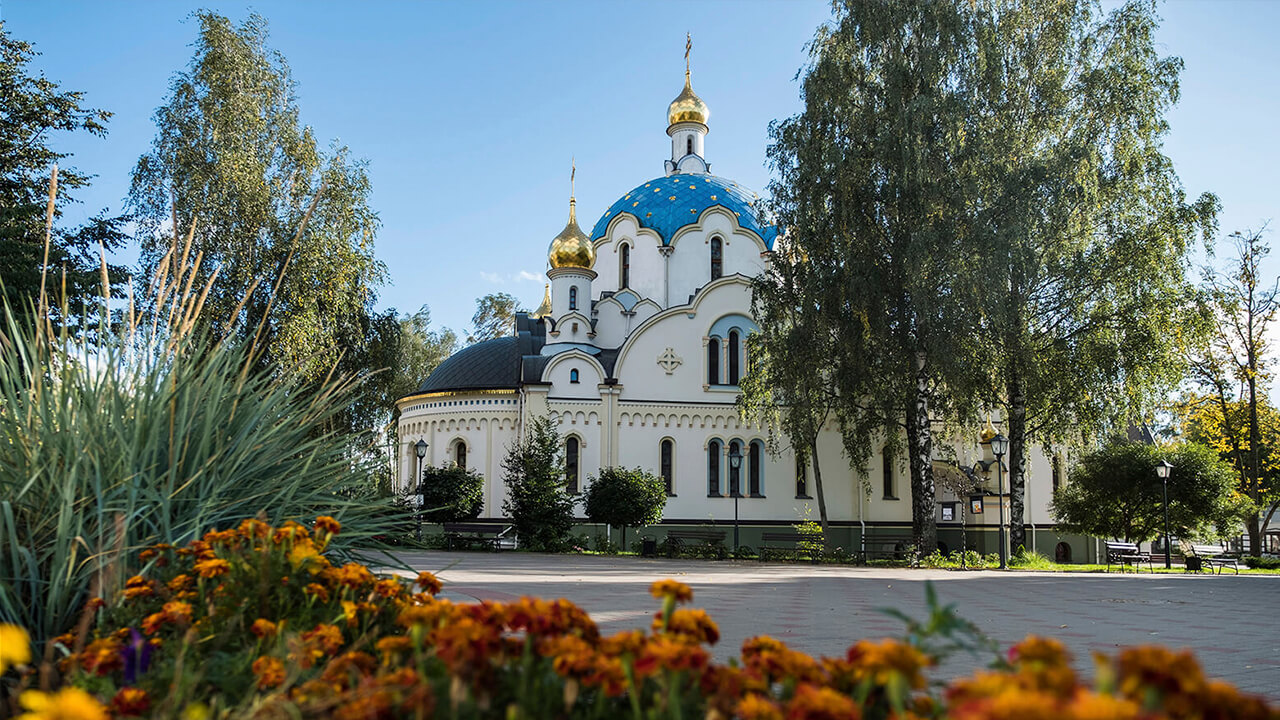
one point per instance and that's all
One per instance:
(735, 489)
(1162, 470)
(421, 449)
(999, 446)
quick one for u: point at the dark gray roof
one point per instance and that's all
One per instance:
(489, 365)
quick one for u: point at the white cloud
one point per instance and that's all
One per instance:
(532, 277)
(491, 277)
(516, 277)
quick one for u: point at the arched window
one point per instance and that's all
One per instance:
(717, 258)
(571, 465)
(733, 357)
(688, 145)
(887, 471)
(755, 468)
(573, 376)
(460, 454)
(735, 473)
(713, 468)
(666, 451)
(573, 298)
(624, 267)
(713, 361)
(802, 479)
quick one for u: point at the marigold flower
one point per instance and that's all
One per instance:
(389, 588)
(627, 642)
(393, 644)
(138, 586)
(327, 525)
(365, 705)
(350, 613)
(130, 701)
(152, 623)
(670, 652)
(757, 707)
(1035, 649)
(670, 588)
(326, 638)
(69, 703)
(263, 628)
(269, 671)
(353, 575)
(811, 702)
(318, 591)
(180, 583)
(428, 583)
(888, 658)
(102, 656)
(254, 529)
(1159, 668)
(1094, 706)
(178, 612)
(303, 554)
(15, 646)
(695, 624)
(212, 567)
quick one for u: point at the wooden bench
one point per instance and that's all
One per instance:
(791, 542)
(468, 533)
(1124, 553)
(1213, 556)
(892, 547)
(710, 538)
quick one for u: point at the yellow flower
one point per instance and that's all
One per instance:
(15, 646)
(302, 554)
(67, 704)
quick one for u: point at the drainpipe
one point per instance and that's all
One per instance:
(862, 524)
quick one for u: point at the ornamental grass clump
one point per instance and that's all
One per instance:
(263, 622)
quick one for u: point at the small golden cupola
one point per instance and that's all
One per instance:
(572, 247)
(545, 308)
(688, 107)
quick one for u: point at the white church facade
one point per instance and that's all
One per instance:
(635, 356)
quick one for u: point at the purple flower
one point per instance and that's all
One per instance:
(137, 656)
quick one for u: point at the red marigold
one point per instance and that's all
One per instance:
(102, 656)
(670, 588)
(130, 701)
(428, 582)
(327, 525)
(388, 588)
(269, 670)
(326, 638)
(263, 628)
(318, 591)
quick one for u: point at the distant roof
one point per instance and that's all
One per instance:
(489, 365)
(667, 204)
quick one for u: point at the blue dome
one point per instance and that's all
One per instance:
(667, 204)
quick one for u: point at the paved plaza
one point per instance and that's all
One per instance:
(1231, 622)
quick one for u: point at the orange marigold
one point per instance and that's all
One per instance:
(886, 659)
(180, 582)
(327, 525)
(811, 702)
(670, 588)
(757, 707)
(318, 591)
(326, 638)
(670, 652)
(263, 628)
(138, 586)
(353, 575)
(102, 656)
(269, 671)
(178, 612)
(212, 567)
(695, 624)
(428, 582)
(389, 588)
(254, 529)
(393, 644)
(130, 701)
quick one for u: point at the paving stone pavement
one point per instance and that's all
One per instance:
(1231, 622)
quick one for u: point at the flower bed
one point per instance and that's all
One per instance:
(257, 622)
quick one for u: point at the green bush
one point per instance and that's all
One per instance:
(625, 498)
(537, 502)
(451, 494)
(1258, 563)
(131, 439)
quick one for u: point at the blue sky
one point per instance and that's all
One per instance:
(469, 113)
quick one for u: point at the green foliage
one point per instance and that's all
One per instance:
(1115, 492)
(495, 317)
(451, 494)
(108, 446)
(35, 111)
(1261, 563)
(625, 498)
(943, 632)
(537, 502)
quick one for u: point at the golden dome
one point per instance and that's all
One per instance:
(572, 247)
(545, 308)
(687, 107)
(988, 432)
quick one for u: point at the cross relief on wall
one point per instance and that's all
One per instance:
(669, 360)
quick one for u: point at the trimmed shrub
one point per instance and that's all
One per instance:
(625, 498)
(451, 494)
(538, 504)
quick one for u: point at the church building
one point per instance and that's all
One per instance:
(635, 355)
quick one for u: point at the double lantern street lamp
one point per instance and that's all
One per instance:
(735, 489)
(1162, 470)
(421, 449)
(999, 446)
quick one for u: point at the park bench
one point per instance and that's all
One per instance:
(1213, 556)
(891, 547)
(791, 543)
(469, 533)
(1124, 553)
(710, 538)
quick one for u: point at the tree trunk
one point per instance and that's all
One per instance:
(817, 484)
(924, 527)
(1017, 426)
(1255, 468)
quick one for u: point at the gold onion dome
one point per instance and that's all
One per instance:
(545, 308)
(572, 247)
(687, 107)
(988, 432)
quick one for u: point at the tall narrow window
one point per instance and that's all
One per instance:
(735, 473)
(1057, 473)
(755, 468)
(713, 361)
(802, 479)
(666, 451)
(624, 271)
(733, 357)
(887, 457)
(460, 455)
(717, 258)
(713, 468)
(688, 145)
(571, 465)
(573, 376)
(573, 298)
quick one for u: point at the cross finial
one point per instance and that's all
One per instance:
(573, 170)
(688, 45)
